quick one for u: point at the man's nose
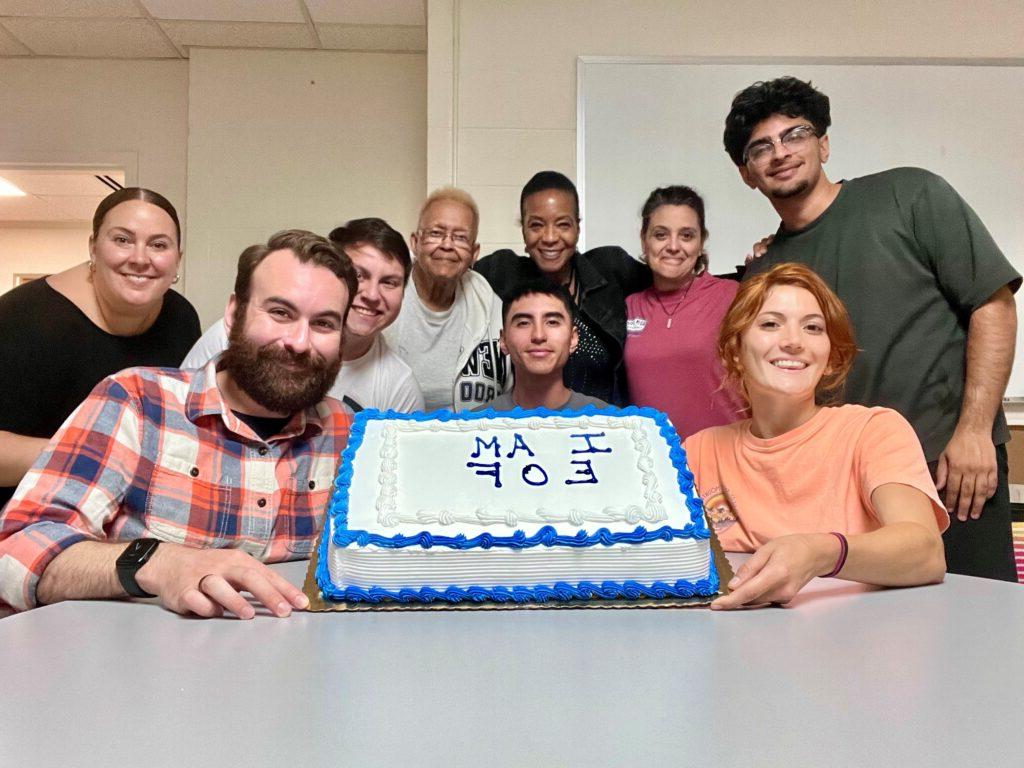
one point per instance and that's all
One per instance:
(369, 291)
(298, 339)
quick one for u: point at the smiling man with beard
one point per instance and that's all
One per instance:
(373, 376)
(181, 484)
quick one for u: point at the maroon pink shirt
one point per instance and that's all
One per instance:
(676, 369)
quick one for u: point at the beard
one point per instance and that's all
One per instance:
(787, 192)
(279, 380)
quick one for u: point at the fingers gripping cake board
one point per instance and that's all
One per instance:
(538, 508)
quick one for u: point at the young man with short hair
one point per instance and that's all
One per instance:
(181, 484)
(928, 290)
(539, 333)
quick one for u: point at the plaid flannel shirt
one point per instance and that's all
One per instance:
(156, 452)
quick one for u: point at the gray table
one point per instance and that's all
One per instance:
(847, 676)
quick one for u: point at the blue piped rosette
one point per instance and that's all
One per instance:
(547, 536)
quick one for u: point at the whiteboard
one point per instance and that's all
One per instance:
(642, 124)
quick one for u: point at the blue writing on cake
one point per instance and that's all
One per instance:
(482, 445)
(590, 446)
(581, 471)
(492, 470)
(587, 472)
(518, 444)
(529, 469)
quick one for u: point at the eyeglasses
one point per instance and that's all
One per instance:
(794, 140)
(437, 236)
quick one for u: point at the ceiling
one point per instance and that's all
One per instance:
(56, 196)
(166, 29)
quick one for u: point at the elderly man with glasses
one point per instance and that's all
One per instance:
(929, 292)
(449, 327)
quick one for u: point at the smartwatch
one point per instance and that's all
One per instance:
(135, 556)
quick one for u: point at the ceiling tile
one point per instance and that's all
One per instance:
(357, 37)
(226, 10)
(239, 34)
(46, 182)
(110, 38)
(70, 8)
(27, 208)
(404, 12)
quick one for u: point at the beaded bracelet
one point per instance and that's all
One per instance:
(844, 550)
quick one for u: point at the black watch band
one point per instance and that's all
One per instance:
(135, 556)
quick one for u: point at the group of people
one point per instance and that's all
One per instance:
(137, 458)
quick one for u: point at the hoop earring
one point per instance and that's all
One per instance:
(92, 266)
(175, 280)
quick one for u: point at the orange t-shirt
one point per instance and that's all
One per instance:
(816, 478)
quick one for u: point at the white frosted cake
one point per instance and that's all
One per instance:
(519, 506)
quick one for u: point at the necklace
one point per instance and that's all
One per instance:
(572, 285)
(678, 304)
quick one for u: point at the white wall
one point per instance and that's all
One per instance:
(132, 114)
(282, 139)
(40, 250)
(505, 106)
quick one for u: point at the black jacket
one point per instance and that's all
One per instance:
(606, 276)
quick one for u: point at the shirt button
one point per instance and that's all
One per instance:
(261, 503)
(194, 471)
(263, 450)
(312, 485)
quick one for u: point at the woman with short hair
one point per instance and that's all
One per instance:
(598, 281)
(811, 490)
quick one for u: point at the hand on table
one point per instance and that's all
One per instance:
(967, 472)
(780, 569)
(207, 582)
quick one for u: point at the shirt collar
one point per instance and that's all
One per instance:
(589, 276)
(205, 399)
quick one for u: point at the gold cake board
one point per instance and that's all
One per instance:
(318, 603)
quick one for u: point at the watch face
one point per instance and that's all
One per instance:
(134, 550)
(138, 552)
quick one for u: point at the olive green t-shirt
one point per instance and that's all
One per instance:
(911, 261)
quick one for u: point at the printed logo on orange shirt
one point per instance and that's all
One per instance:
(719, 508)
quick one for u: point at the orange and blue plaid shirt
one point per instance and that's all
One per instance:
(156, 452)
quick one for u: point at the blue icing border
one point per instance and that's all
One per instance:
(546, 536)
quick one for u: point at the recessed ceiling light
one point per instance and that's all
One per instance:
(9, 190)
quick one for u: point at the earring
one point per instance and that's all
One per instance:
(92, 266)
(175, 280)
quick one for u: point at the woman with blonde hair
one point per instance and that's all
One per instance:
(810, 489)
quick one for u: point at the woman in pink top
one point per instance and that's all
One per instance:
(810, 490)
(672, 327)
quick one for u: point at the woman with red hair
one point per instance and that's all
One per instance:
(811, 490)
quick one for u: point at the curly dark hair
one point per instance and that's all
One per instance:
(782, 96)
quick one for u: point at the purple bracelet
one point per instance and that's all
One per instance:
(844, 550)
